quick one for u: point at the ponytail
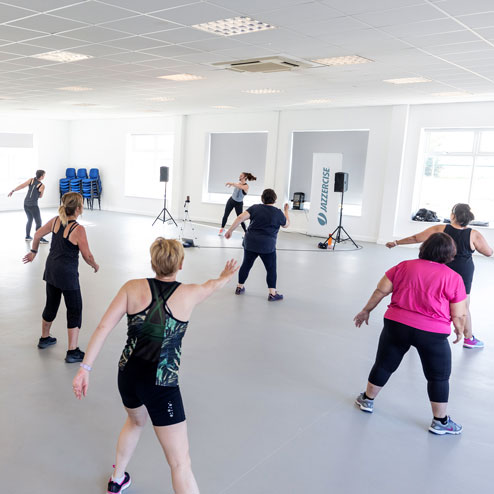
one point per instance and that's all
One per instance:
(249, 176)
(70, 202)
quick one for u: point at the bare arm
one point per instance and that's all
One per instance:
(111, 318)
(480, 244)
(44, 230)
(285, 212)
(384, 288)
(41, 191)
(238, 185)
(458, 313)
(81, 238)
(239, 219)
(418, 238)
(19, 187)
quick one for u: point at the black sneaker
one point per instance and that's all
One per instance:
(28, 238)
(44, 342)
(116, 487)
(76, 355)
(44, 241)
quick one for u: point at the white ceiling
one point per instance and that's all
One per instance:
(133, 42)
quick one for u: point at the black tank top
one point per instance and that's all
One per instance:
(32, 195)
(62, 264)
(462, 240)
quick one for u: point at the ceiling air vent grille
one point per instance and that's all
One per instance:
(266, 64)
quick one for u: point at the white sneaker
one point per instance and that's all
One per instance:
(221, 232)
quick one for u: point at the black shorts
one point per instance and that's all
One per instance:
(136, 384)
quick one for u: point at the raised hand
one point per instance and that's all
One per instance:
(231, 267)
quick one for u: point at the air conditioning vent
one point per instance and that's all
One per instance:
(266, 64)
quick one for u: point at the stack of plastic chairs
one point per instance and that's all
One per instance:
(65, 182)
(95, 185)
(88, 187)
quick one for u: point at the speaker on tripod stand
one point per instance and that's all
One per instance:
(164, 175)
(340, 185)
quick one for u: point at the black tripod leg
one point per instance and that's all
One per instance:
(349, 238)
(158, 217)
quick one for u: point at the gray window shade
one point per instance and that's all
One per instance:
(232, 153)
(16, 140)
(352, 144)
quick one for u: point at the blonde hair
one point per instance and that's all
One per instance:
(70, 202)
(166, 256)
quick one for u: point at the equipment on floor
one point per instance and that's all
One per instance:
(164, 178)
(187, 242)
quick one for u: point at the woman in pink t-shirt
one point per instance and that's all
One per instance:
(426, 297)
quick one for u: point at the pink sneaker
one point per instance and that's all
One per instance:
(472, 343)
(221, 232)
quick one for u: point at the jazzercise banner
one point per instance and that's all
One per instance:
(324, 202)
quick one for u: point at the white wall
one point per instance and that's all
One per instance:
(51, 139)
(102, 144)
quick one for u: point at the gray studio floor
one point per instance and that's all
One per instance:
(268, 388)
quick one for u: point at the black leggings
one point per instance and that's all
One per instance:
(269, 261)
(230, 205)
(32, 212)
(73, 302)
(434, 352)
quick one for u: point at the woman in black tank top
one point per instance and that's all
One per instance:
(35, 191)
(467, 242)
(158, 310)
(62, 273)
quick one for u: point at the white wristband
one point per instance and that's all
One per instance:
(396, 243)
(85, 366)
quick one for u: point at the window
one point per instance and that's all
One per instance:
(458, 166)
(18, 158)
(230, 154)
(146, 153)
(352, 144)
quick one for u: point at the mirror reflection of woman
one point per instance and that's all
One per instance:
(467, 242)
(236, 201)
(35, 191)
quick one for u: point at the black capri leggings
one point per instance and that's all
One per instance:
(434, 352)
(32, 212)
(269, 261)
(230, 205)
(73, 302)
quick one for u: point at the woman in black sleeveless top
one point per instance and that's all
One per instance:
(467, 242)
(158, 310)
(62, 272)
(35, 191)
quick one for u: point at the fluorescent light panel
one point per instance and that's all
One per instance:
(408, 80)
(75, 89)
(161, 99)
(61, 56)
(262, 91)
(233, 26)
(346, 60)
(181, 77)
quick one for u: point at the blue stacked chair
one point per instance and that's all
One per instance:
(81, 173)
(75, 185)
(88, 191)
(96, 185)
(64, 187)
(70, 173)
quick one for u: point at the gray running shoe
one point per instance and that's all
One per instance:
(450, 427)
(365, 405)
(44, 241)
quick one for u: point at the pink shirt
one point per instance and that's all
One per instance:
(422, 292)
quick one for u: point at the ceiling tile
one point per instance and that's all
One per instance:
(195, 14)
(182, 35)
(17, 34)
(140, 24)
(97, 50)
(361, 6)
(471, 46)
(7, 56)
(47, 24)
(94, 34)
(131, 57)
(146, 6)
(162, 63)
(171, 51)
(11, 13)
(338, 25)
(475, 21)
(55, 42)
(135, 43)
(22, 49)
(93, 13)
(424, 28)
(462, 7)
(215, 44)
(43, 5)
(256, 6)
(298, 14)
(414, 13)
(486, 32)
(442, 39)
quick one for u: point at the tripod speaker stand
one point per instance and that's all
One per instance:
(164, 212)
(187, 242)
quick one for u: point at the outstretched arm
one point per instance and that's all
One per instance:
(239, 219)
(418, 238)
(40, 233)
(112, 316)
(384, 288)
(480, 244)
(19, 187)
(238, 185)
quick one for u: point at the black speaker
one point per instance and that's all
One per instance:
(164, 173)
(340, 182)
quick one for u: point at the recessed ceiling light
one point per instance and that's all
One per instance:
(262, 91)
(61, 56)
(447, 94)
(321, 101)
(223, 107)
(347, 60)
(233, 26)
(408, 80)
(161, 99)
(181, 77)
(75, 89)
